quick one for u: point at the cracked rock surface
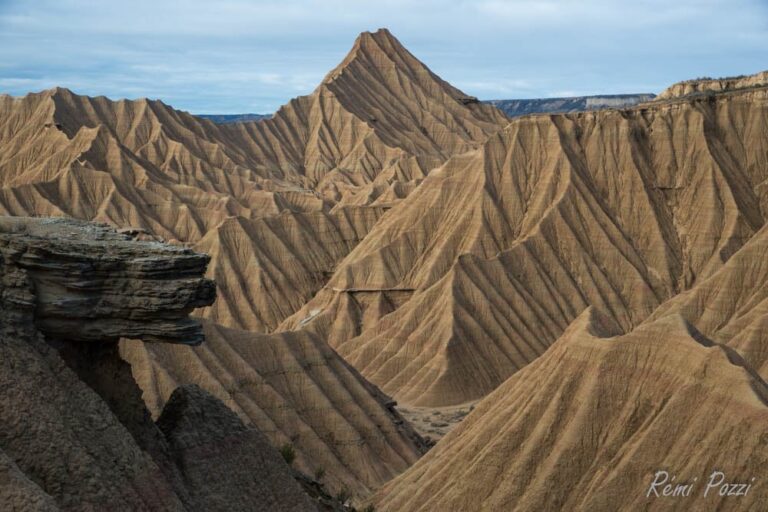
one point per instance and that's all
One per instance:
(92, 284)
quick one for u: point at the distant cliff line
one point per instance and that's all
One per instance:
(513, 108)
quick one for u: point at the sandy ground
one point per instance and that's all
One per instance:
(435, 422)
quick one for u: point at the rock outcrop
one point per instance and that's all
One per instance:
(713, 85)
(88, 283)
(514, 108)
(74, 431)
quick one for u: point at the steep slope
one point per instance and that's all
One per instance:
(589, 424)
(204, 434)
(294, 389)
(500, 249)
(268, 268)
(404, 106)
(731, 306)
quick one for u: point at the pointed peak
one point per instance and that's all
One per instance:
(380, 35)
(381, 42)
(58, 91)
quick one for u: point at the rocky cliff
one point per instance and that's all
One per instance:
(87, 283)
(514, 108)
(74, 431)
(713, 85)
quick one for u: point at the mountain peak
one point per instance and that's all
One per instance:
(58, 91)
(380, 35)
(377, 45)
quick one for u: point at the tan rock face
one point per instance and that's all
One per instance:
(730, 306)
(497, 251)
(266, 269)
(714, 85)
(588, 425)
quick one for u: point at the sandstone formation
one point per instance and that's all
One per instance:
(91, 284)
(714, 85)
(484, 265)
(74, 431)
(587, 426)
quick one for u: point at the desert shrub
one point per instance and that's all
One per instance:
(319, 474)
(343, 495)
(288, 453)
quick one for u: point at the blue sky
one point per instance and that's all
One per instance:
(235, 56)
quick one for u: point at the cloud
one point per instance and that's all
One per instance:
(235, 55)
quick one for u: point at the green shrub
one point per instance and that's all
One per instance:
(288, 453)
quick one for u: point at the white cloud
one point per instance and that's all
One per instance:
(234, 55)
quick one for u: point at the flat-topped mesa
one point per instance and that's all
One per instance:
(86, 282)
(714, 85)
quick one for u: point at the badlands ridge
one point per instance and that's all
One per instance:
(595, 282)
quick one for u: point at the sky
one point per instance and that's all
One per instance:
(238, 56)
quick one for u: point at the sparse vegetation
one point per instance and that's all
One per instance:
(319, 474)
(369, 508)
(343, 496)
(288, 453)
